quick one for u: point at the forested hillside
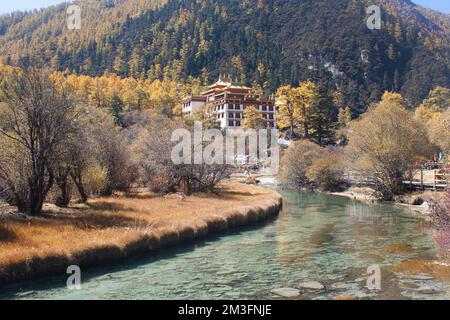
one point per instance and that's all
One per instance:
(265, 43)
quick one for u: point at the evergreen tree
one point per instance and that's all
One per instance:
(323, 114)
(116, 107)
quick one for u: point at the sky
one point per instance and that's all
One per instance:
(11, 5)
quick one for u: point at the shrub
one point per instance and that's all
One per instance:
(96, 180)
(296, 161)
(326, 171)
(153, 149)
(441, 212)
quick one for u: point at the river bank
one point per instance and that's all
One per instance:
(419, 202)
(318, 241)
(108, 230)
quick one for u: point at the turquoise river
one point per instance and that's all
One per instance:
(322, 238)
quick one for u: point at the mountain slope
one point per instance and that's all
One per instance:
(264, 42)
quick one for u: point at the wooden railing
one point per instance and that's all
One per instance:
(438, 179)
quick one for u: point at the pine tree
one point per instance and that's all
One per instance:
(323, 113)
(116, 107)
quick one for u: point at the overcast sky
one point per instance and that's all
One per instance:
(11, 5)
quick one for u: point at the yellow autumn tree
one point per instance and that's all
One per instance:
(294, 107)
(394, 99)
(304, 113)
(385, 143)
(434, 105)
(253, 118)
(439, 131)
(286, 103)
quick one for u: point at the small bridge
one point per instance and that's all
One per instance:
(436, 180)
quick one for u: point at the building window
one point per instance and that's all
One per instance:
(238, 115)
(270, 108)
(231, 106)
(264, 108)
(271, 116)
(238, 123)
(231, 123)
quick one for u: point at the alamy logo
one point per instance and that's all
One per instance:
(374, 280)
(74, 280)
(365, 56)
(233, 147)
(73, 19)
(374, 20)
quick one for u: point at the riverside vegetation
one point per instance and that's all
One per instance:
(63, 162)
(109, 229)
(89, 114)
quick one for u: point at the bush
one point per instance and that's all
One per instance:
(96, 180)
(115, 157)
(153, 149)
(326, 171)
(441, 212)
(385, 143)
(296, 161)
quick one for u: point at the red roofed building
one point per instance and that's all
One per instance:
(226, 101)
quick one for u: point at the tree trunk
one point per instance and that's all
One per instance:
(63, 199)
(38, 190)
(78, 180)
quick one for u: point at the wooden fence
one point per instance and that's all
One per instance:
(436, 180)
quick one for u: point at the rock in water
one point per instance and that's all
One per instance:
(428, 290)
(311, 285)
(286, 292)
(421, 277)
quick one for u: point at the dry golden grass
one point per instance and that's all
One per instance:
(109, 229)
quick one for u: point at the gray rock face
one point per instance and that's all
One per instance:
(311, 285)
(286, 292)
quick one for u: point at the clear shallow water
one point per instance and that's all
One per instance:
(317, 238)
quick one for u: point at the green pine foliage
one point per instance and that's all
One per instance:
(264, 43)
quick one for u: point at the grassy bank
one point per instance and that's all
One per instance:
(111, 229)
